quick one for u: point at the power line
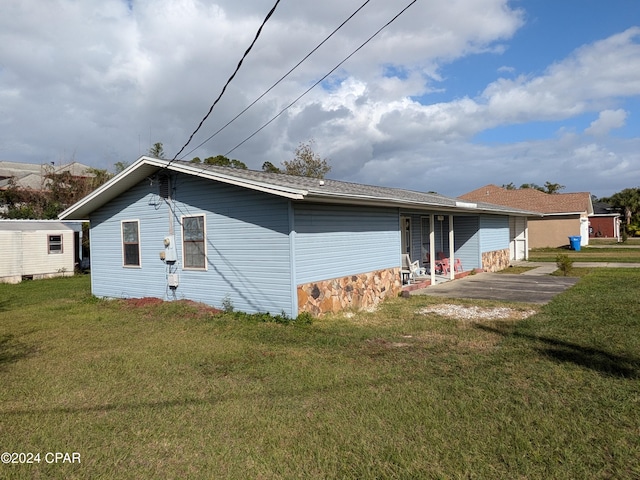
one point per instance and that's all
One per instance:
(273, 9)
(322, 79)
(280, 80)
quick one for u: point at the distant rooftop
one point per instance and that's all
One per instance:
(32, 176)
(533, 199)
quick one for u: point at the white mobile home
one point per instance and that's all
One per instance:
(37, 249)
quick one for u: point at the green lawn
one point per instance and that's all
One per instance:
(588, 254)
(174, 391)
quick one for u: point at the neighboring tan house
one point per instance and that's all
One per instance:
(605, 222)
(562, 214)
(35, 249)
(270, 242)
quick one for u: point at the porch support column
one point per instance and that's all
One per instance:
(526, 238)
(432, 249)
(452, 268)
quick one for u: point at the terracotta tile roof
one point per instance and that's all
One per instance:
(532, 199)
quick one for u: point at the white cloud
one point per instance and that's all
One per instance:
(607, 121)
(102, 81)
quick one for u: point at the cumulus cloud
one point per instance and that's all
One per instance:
(607, 121)
(101, 80)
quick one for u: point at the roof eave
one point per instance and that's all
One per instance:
(195, 169)
(365, 200)
(147, 166)
(130, 176)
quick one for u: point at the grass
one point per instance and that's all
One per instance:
(588, 254)
(515, 270)
(173, 391)
(632, 241)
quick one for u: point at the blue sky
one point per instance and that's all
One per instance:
(450, 97)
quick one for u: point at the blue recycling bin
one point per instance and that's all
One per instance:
(574, 242)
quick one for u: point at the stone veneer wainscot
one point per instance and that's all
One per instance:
(496, 260)
(356, 292)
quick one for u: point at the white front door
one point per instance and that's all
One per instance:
(517, 241)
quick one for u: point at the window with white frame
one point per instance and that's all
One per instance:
(55, 243)
(131, 243)
(193, 242)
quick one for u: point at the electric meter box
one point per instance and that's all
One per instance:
(173, 280)
(170, 255)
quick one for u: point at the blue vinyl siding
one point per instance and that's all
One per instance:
(336, 241)
(494, 233)
(247, 243)
(467, 241)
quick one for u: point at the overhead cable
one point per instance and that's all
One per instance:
(279, 81)
(322, 79)
(273, 9)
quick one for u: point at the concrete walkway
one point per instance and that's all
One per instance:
(546, 268)
(532, 286)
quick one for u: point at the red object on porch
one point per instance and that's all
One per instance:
(443, 266)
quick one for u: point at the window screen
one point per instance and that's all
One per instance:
(193, 241)
(55, 243)
(131, 243)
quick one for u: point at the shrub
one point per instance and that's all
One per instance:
(227, 304)
(304, 318)
(564, 264)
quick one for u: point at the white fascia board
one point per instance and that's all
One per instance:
(146, 166)
(560, 214)
(134, 173)
(395, 202)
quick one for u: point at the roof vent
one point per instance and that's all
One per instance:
(164, 186)
(321, 183)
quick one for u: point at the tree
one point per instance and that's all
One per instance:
(548, 187)
(531, 185)
(120, 166)
(270, 167)
(628, 201)
(552, 187)
(156, 151)
(223, 161)
(57, 192)
(306, 162)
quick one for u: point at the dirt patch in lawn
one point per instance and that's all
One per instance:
(142, 302)
(470, 313)
(192, 308)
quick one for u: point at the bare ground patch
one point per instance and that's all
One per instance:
(470, 313)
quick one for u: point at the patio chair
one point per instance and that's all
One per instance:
(458, 266)
(444, 266)
(409, 269)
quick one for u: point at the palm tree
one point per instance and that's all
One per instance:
(628, 200)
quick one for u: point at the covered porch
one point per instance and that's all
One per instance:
(442, 246)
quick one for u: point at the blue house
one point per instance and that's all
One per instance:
(268, 242)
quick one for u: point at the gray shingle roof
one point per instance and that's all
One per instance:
(325, 188)
(302, 189)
